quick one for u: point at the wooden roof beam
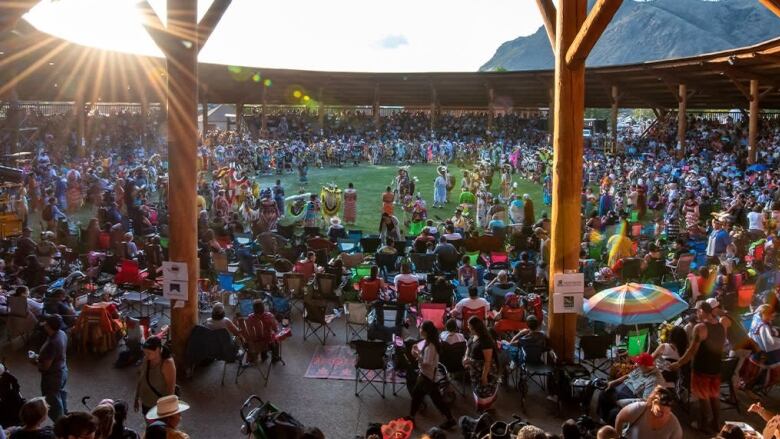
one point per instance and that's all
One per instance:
(547, 8)
(591, 30)
(772, 5)
(734, 80)
(12, 11)
(209, 21)
(767, 91)
(154, 26)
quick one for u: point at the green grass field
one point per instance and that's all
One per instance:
(371, 181)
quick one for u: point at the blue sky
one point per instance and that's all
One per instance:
(338, 35)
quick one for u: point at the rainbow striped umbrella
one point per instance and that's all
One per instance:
(634, 304)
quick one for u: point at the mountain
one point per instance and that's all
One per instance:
(653, 30)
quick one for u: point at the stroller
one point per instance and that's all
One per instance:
(11, 399)
(263, 420)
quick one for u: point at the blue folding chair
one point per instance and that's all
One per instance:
(225, 281)
(348, 245)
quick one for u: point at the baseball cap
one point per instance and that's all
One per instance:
(713, 302)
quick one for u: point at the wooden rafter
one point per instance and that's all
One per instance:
(154, 26)
(767, 91)
(209, 21)
(547, 8)
(741, 87)
(772, 5)
(12, 11)
(598, 19)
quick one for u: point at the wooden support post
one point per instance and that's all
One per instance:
(753, 122)
(551, 111)
(240, 118)
(568, 115)
(615, 95)
(264, 116)
(491, 108)
(682, 121)
(375, 110)
(182, 62)
(547, 8)
(321, 111)
(204, 109)
(434, 109)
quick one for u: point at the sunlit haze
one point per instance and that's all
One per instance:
(341, 35)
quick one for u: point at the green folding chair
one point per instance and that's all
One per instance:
(637, 342)
(360, 272)
(473, 257)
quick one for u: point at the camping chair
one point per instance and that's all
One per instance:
(20, 319)
(631, 270)
(370, 358)
(407, 292)
(360, 271)
(526, 276)
(387, 264)
(326, 286)
(346, 245)
(352, 260)
(369, 290)
(594, 352)
(370, 244)
(266, 281)
(219, 261)
(226, 282)
(498, 261)
(129, 275)
(423, 262)
(452, 358)
(637, 342)
(389, 321)
(537, 368)
(356, 323)
(316, 319)
(654, 272)
(96, 331)
(512, 321)
(683, 267)
(355, 235)
(435, 312)
(728, 367)
(473, 257)
(294, 285)
(244, 362)
(467, 313)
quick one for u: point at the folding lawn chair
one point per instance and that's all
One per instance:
(594, 352)
(294, 285)
(370, 244)
(370, 365)
(423, 262)
(356, 314)
(637, 342)
(266, 281)
(316, 319)
(435, 312)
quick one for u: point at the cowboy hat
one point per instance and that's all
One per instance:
(335, 221)
(167, 406)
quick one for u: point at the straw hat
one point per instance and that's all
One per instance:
(167, 406)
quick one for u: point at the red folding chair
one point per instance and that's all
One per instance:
(369, 289)
(467, 313)
(129, 273)
(407, 292)
(512, 320)
(305, 268)
(435, 312)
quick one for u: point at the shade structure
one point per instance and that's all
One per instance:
(634, 304)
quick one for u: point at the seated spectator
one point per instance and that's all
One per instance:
(405, 276)
(34, 307)
(388, 248)
(33, 274)
(307, 266)
(637, 384)
(467, 275)
(422, 240)
(130, 247)
(532, 336)
(510, 313)
(450, 234)
(372, 286)
(651, 418)
(451, 335)
(46, 250)
(33, 415)
(442, 291)
(447, 255)
(498, 287)
(471, 302)
(336, 231)
(59, 303)
(219, 321)
(524, 273)
(259, 330)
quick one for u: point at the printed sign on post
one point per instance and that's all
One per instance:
(567, 303)
(569, 283)
(175, 281)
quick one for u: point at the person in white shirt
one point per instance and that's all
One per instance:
(450, 335)
(471, 302)
(405, 276)
(756, 223)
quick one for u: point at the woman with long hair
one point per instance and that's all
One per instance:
(427, 354)
(157, 377)
(481, 362)
(674, 343)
